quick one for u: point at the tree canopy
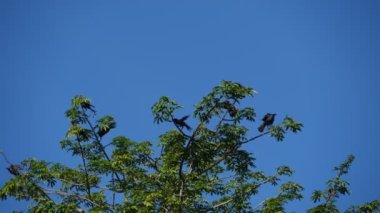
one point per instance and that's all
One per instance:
(203, 168)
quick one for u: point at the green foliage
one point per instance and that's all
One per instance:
(335, 188)
(373, 206)
(164, 109)
(105, 124)
(288, 124)
(205, 170)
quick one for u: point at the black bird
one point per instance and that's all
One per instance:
(232, 111)
(14, 170)
(87, 105)
(267, 121)
(105, 130)
(181, 122)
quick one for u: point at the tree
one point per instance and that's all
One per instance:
(199, 169)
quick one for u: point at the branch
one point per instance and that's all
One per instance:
(260, 204)
(152, 162)
(222, 203)
(254, 138)
(180, 171)
(33, 184)
(98, 142)
(105, 146)
(80, 184)
(113, 194)
(230, 150)
(5, 158)
(181, 131)
(247, 191)
(330, 196)
(191, 140)
(85, 170)
(62, 193)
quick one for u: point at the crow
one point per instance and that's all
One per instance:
(14, 170)
(181, 122)
(87, 105)
(105, 130)
(232, 111)
(267, 121)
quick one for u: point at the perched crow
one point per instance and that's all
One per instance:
(14, 170)
(267, 121)
(103, 131)
(230, 108)
(87, 105)
(232, 111)
(181, 122)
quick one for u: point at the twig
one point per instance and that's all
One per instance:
(98, 142)
(247, 191)
(58, 192)
(113, 194)
(105, 146)
(80, 184)
(180, 171)
(5, 158)
(330, 196)
(254, 138)
(152, 162)
(230, 150)
(222, 203)
(260, 204)
(85, 170)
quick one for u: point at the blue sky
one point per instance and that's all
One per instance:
(315, 60)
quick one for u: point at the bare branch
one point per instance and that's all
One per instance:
(260, 204)
(222, 203)
(5, 158)
(254, 138)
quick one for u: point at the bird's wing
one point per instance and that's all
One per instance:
(266, 117)
(184, 118)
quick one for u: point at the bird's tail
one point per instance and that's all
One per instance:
(261, 127)
(187, 127)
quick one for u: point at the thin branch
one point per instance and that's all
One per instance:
(228, 177)
(230, 150)
(191, 140)
(259, 204)
(62, 193)
(80, 184)
(108, 144)
(254, 138)
(222, 203)
(98, 142)
(330, 196)
(247, 191)
(85, 170)
(113, 194)
(179, 129)
(180, 171)
(152, 162)
(5, 158)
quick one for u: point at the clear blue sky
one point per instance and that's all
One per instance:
(315, 60)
